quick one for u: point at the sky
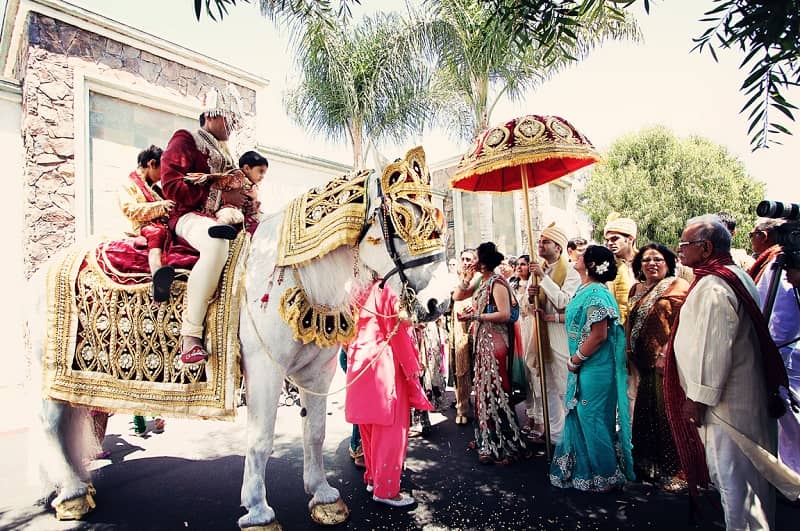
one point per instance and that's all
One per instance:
(619, 89)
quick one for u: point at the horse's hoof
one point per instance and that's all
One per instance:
(330, 513)
(75, 508)
(272, 526)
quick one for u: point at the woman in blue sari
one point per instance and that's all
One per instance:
(592, 455)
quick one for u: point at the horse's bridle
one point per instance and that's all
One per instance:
(381, 210)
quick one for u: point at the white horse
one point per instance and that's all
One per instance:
(270, 353)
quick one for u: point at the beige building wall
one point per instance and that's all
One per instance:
(14, 363)
(473, 218)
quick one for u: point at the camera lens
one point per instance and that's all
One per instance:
(778, 209)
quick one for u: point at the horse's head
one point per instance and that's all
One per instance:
(402, 239)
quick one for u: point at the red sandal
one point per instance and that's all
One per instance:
(196, 354)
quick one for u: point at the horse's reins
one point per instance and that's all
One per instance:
(389, 234)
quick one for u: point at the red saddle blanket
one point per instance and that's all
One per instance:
(125, 261)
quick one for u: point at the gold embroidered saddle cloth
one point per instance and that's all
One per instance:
(109, 347)
(322, 219)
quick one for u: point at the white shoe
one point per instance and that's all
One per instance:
(404, 500)
(370, 488)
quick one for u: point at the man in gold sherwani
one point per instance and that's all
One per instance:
(461, 358)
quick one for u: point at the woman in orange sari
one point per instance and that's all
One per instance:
(653, 303)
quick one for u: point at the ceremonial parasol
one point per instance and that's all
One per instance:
(523, 153)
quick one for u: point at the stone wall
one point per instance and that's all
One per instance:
(55, 49)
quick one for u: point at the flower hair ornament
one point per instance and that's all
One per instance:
(602, 267)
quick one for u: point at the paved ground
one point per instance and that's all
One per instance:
(189, 478)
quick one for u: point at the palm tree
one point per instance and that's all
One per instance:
(480, 61)
(364, 83)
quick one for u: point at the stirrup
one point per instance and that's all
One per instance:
(196, 354)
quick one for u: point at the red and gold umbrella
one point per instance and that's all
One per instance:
(520, 154)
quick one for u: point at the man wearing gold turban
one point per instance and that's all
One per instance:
(558, 283)
(620, 236)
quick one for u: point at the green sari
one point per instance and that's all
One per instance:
(592, 455)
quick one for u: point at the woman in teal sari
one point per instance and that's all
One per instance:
(592, 455)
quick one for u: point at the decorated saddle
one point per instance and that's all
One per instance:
(110, 347)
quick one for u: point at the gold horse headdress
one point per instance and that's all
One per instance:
(406, 184)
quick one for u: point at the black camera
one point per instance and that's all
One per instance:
(778, 209)
(786, 235)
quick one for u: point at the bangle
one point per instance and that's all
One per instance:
(571, 365)
(580, 355)
(476, 317)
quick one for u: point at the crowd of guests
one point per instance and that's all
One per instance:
(660, 365)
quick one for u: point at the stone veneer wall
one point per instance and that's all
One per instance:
(55, 49)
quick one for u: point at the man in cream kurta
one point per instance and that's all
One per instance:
(721, 370)
(558, 281)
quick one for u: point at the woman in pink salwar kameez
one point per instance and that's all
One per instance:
(383, 385)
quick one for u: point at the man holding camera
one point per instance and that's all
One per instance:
(784, 325)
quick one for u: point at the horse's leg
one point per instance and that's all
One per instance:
(65, 452)
(317, 380)
(263, 388)
(326, 505)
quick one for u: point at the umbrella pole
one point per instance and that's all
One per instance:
(536, 317)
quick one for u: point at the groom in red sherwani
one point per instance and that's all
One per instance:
(189, 168)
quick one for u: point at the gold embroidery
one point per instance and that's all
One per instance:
(323, 219)
(534, 139)
(323, 325)
(125, 355)
(406, 184)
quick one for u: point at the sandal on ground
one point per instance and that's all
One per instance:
(537, 438)
(162, 283)
(401, 500)
(486, 459)
(196, 354)
(223, 232)
(673, 485)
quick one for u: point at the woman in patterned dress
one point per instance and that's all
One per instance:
(653, 304)
(497, 433)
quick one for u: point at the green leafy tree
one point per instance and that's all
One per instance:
(287, 10)
(482, 58)
(767, 32)
(364, 83)
(661, 180)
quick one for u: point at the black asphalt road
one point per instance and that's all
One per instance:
(147, 486)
